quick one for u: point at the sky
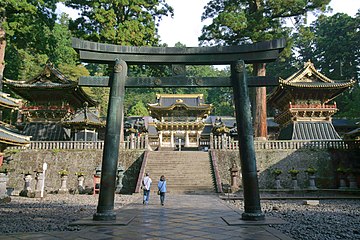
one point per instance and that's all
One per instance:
(186, 25)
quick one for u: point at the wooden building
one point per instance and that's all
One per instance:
(304, 105)
(84, 124)
(9, 135)
(50, 97)
(179, 119)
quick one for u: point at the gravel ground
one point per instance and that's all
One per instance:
(53, 213)
(331, 219)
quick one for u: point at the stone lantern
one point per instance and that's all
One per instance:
(120, 176)
(26, 192)
(3, 192)
(234, 173)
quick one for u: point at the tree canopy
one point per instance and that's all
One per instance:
(120, 22)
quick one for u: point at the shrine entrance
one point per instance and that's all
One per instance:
(122, 56)
(178, 119)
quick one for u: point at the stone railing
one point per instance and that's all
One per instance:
(216, 142)
(228, 143)
(130, 142)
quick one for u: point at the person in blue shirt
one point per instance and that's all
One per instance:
(162, 189)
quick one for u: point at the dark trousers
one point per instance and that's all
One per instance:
(162, 197)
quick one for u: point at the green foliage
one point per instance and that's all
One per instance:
(138, 109)
(55, 151)
(293, 172)
(277, 172)
(60, 49)
(63, 172)
(131, 23)
(4, 170)
(244, 21)
(72, 71)
(311, 170)
(80, 173)
(33, 37)
(336, 46)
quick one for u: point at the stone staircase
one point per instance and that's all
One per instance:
(185, 171)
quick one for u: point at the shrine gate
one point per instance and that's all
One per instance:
(122, 56)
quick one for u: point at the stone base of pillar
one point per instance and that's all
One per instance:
(108, 216)
(253, 216)
(37, 194)
(63, 191)
(6, 199)
(234, 189)
(25, 193)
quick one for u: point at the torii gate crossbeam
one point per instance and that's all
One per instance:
(121, 56)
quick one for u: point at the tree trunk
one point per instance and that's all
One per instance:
(2, 55)
(2, 60)
(260, 124)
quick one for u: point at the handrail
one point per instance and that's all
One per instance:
(216, 171)
(141, 172)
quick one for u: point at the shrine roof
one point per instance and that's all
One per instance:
(188, 101)
(49, 86)
(86, 117)
(308, 130)
(7, 136)
(307, 83)
(8, 102)
(323, 85)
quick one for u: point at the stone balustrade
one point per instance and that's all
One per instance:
(216, 142)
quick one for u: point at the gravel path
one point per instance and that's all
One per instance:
(330, 220)
(53, 213)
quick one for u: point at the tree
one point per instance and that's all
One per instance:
(337, 45)
(247, 21)
(24, 25)
(138, 109)
(337, 54)
(123, 22)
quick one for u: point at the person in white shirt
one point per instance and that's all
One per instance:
(146, 187)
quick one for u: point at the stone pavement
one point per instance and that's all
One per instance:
(182, 217)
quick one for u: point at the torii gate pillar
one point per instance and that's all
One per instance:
(246, 141)
(114, 121)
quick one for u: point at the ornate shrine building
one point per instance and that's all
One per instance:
(9, 136)
(51, 97)
(84, 124)
(179, 119)
(303, 105)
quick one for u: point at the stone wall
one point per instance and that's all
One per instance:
(325, 161)
(72, 160)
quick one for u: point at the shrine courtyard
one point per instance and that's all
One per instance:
(65, 216)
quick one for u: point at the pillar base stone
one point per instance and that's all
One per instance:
(108, 216)
(253, 216)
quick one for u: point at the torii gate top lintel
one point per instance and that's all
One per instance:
(266, 51)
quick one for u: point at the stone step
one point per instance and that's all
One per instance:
(184, 171)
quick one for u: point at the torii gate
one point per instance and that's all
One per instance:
(121, 56)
